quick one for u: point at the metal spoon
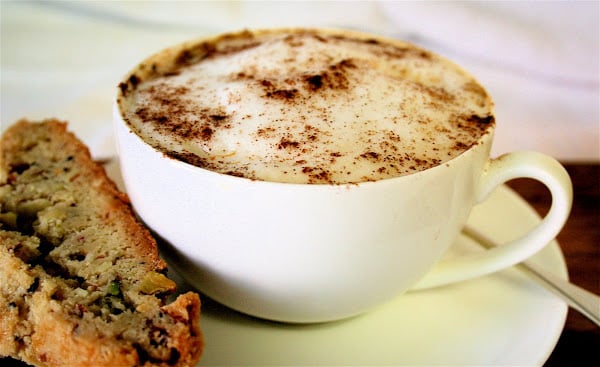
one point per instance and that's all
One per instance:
(587, 303)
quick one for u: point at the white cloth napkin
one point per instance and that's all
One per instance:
(539, 60)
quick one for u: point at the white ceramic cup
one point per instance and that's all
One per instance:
(313, 253)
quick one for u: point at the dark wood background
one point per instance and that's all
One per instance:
(579, 343)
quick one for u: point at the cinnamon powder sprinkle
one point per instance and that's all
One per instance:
(306, 106)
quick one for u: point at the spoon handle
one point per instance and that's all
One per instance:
(587, 303)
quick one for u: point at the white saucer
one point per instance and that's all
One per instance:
(502, 319)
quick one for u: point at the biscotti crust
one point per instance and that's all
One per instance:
(82, 282)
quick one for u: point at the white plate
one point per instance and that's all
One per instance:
(502, 319)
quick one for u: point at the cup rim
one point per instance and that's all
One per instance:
(175, 48)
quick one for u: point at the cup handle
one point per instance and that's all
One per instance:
(498, 171)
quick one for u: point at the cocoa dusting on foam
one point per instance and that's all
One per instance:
(306, 107)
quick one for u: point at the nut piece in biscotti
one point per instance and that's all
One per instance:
(81, 281)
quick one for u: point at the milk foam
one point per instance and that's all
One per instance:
(306, 107)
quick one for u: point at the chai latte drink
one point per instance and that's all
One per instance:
(304, 106)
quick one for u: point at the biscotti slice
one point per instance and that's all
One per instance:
(81, 281)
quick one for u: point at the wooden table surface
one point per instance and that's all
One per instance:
(579, 343)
